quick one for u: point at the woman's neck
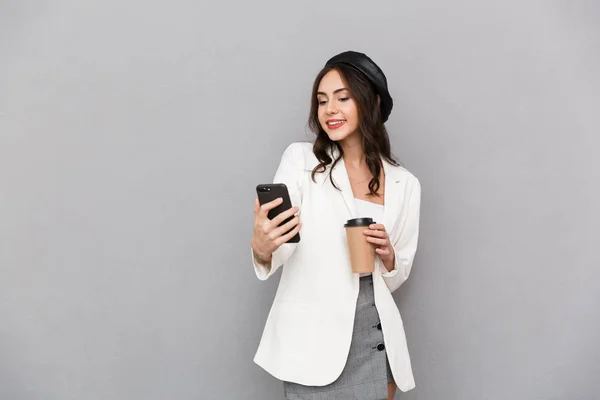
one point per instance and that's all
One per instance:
(354, 155)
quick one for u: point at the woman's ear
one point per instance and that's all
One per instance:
(378, 100)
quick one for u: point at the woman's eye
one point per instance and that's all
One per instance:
(344, 99)
(322, 102)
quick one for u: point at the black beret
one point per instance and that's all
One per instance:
(363, 64)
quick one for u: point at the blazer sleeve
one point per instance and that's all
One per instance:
(291, 172)
(406, 245)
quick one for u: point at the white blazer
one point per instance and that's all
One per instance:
(307, 335)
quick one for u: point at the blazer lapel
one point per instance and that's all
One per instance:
(392, 196)
(340, 177)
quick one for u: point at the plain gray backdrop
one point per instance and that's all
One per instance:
(133, 133)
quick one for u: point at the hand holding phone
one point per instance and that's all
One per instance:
(275, 222)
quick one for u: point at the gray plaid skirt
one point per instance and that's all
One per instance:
(367, 371)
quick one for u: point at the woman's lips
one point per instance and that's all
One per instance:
(335, 125)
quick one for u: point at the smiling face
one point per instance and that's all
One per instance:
(337, 110)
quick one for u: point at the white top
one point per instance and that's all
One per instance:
(368, 209)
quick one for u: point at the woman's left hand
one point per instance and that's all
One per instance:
(377, 235)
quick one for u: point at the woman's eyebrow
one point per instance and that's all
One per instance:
(334, 92)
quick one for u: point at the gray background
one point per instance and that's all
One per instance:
(132, 134)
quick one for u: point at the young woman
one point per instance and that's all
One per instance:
(332, 333)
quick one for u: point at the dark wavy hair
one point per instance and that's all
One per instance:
(375, 139)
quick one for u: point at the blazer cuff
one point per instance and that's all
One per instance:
(262, 271)
(278, 258)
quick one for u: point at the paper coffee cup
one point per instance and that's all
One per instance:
(362, 252)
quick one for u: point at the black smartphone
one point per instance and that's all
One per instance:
(270, 191)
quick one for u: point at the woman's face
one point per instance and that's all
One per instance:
(337, 111)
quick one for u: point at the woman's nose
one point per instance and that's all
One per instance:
(331, 109)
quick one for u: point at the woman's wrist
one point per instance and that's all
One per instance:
(389, 264)
(262, 259)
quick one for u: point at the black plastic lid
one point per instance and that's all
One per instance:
(359, 222)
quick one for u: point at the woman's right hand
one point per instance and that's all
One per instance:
(268, 236)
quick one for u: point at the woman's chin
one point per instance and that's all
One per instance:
(340, 136)
(336, 136)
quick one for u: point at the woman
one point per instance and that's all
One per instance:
(331, 333)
